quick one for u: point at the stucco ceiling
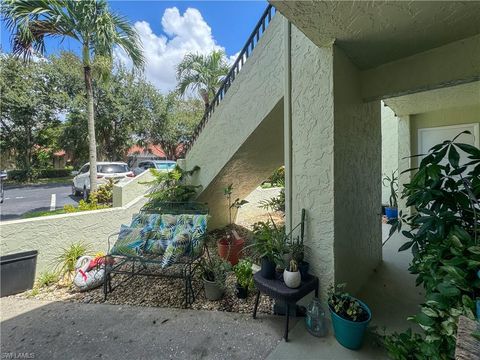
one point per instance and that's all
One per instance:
(444, 98)
(374, 32)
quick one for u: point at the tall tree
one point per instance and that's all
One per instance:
(91, 23)
(29, 109)
(202, 73)
(171, 122)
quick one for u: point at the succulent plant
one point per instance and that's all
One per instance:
(293, 266)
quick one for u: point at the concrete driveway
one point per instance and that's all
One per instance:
(61, 330)
(20, 200)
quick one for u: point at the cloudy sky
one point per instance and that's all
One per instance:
(169, 30)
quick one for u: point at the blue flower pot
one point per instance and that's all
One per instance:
(350, 333)
(391, 213)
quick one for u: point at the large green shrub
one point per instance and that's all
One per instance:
(24, 175)
(443, 234)
(54, 173)
(18, 175)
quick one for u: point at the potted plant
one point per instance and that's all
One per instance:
(392, 182)
(244, 273)
(214, 274)
(297, 247)
(297, 251)
(230, 246)
(291, 276)
(350, 317)
(270, 246)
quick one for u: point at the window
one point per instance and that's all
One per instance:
(84, 169)
(165, 166)
(112, 168)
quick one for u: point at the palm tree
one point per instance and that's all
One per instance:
(203, 73)
(91, 23)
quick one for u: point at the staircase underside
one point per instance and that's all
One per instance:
(242, 142)
(255, 160)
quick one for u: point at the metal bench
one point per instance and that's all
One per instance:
(183, 268)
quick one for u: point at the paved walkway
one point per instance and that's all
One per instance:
(60, 330)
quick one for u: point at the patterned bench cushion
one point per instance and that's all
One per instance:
(129, 242)
(169, 235)
(186, 238)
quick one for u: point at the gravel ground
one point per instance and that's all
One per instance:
(165, 292)
(158, 291)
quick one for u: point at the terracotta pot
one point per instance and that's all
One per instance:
(230, 252)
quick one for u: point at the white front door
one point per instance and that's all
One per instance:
(429, 137)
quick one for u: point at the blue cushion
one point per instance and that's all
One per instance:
(186, 239)
(129, 242)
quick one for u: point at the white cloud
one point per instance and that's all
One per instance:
(181, 34)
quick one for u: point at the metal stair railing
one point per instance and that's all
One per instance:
(246, 52)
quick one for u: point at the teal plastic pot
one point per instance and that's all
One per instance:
(350, 333)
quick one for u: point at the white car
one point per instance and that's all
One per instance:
(162, 165)
(105, 171)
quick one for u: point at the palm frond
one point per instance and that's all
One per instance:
(90, 22)
(197, 71)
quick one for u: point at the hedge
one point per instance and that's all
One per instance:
(54, 173)
(22, 175)
(18, 175)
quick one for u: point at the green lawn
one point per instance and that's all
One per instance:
(34, 214)
(75, 209)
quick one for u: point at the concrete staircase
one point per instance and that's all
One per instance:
(240, 140)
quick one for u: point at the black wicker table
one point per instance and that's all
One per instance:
(277, 290)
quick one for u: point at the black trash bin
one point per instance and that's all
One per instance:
(17, 272)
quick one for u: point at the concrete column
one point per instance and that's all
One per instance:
(389, 147)
(404, 160)
(357, 170)
(287, 123)
(336, 164)
(312, 151)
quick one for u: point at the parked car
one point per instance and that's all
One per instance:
(162, 165)
(105, 171)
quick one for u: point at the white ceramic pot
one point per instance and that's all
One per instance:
(292, 279)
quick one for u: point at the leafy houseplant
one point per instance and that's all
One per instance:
(214, 274)
(291, 276)
(171, 186)
(244, 273)
(230, 246)
(350, 317)
(443, 234)
(392, 182)
(269, 243)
